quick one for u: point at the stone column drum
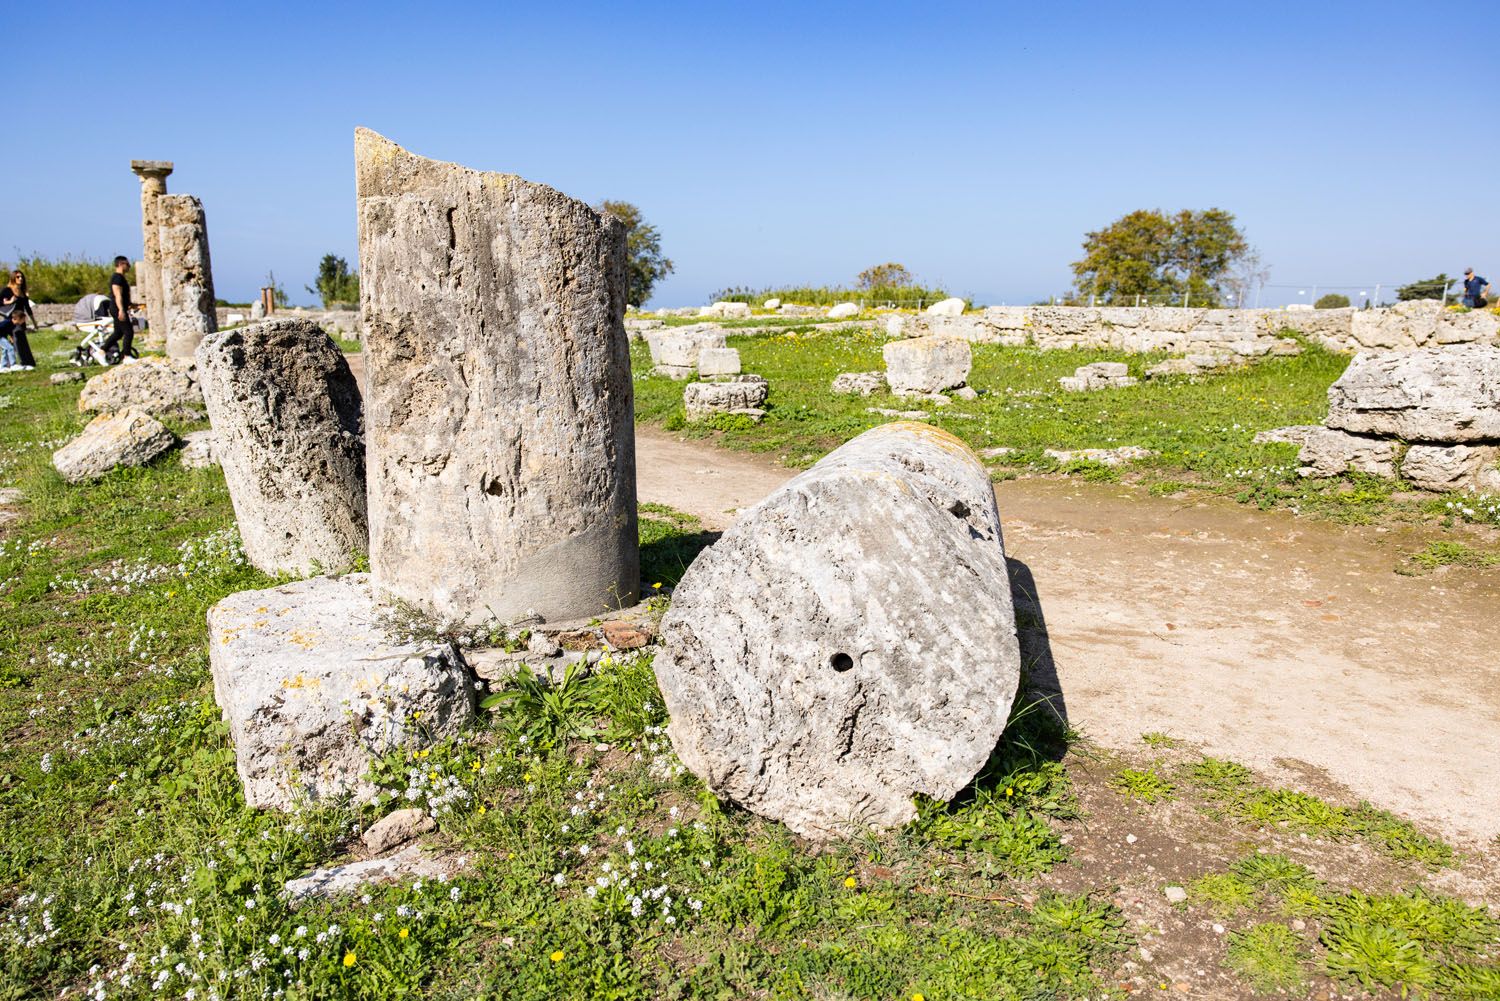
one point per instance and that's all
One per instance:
(285, 410)
(153, 175)
(186, 275)
(500, 440)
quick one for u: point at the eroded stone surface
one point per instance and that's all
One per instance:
(198, 450)
(843, 311)
(927, 364)
(286, 416)
(315, 689)
(1296, 434)
(858, 383)
(155, 386)
(718, 361)
(128, 438)
(356, 877)
(1441, 395)
(186, 274)
(500, 438)
(850, 641)
(1099, 375)
(702, 399)
(1329, 452)
(397, 828)
(1453, 467)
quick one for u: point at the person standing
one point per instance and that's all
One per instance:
(15, 304)
(11, 328)
(1474, 289)
(119, 302)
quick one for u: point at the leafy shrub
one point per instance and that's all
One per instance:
(66, 279)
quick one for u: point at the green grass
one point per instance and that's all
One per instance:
(1447, 554)
(1203, 427)
(1232, 790)
(1270, 957)
(1160, 740)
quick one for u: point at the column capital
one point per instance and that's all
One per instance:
(151, 168)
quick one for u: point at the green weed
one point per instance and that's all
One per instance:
(1270, 957)
(1143, 784)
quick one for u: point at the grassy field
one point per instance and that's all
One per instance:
(596, 867)
(1202, 427)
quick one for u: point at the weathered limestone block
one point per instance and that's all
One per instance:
(397, 828)
(948, 307)
(152, 385)
(718, 361)
(198, 450)
(1098, 375)
(726, 310)
(1103, 456)
(1172, 366)
(315, 690)
(927, 364)
(186, 274)
(128, 438)
(675, 351)
(1444, 395)
(858, 383)
(500, 438)
(1419, 323)
(1328, 452)
(843, 311)
(63, 378)
(771, 304)
(287, 424)
(702, 399)
(850, 641)
(350, 878)
(153, 176)
(1455, 467)
(1296, 434)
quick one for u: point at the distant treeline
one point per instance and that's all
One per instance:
(901, 295)
(66, 279)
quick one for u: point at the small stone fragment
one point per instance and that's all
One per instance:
(62, 378)
(1296, 434)
(843, 311)
(355, 877)
(1176, 894)
(700, 400)
(1328, 452)
(396, 829)
(858, 383)
(198, 450)
(127, 438)
(626, 635)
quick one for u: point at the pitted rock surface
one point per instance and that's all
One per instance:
(156, 386)
(128, 438)
(850, 641)
(1444, 395)
(499, 421)
(927, 364)
(287, 429)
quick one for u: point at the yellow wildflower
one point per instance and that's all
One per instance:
(403, 933)
(851, 882)
(557, 957)
(348, 959)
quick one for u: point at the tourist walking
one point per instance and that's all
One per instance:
(15, 302)
(119, 302)
(1474, 290)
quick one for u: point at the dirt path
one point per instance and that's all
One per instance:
(1285, 644)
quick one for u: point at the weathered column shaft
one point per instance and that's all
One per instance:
(185, 273)
(500, 442)
(153, 177)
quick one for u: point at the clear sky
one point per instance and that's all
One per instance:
(781, 142)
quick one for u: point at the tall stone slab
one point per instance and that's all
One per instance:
(285, 410)
(186, 274)
(500, 442)
(153, 176)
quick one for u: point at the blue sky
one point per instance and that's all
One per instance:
(779, 142)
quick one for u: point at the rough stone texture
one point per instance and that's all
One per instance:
(356, 877)
(850, 641)
(948, 307)
(1173, 366)
(286, 417)
(843, 311)
(62, 378)
(904, 415)
(718, 361)
(128, 438)
(1327, 452)
(1293, 435)
(858, 383)
(499, 412)
(1454, 467)
(257, 310)
(151, 385)
(186, 274)
(702, 399)
(726, 310)
(1421, 323)
(675, 351)
(315, 691)
(153, 176)
(1443, 395)
(1099, 375)
(1103, 456)
(397, 828)
(927, 364)
(198, 450)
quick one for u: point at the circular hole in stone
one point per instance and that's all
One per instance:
(841, 662)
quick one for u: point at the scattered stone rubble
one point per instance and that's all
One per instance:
(810, 659)
(198, 450)
(1103, 456)
(922, 366)
(357, 877)
(676, 351)
(858, 383)
(157, 386)
(128, 438)
(1099, 375)
(741, 394)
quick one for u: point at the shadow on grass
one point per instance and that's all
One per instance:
(667, 551)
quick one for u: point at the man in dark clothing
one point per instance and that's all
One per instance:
(119, 301)
(1474, 289)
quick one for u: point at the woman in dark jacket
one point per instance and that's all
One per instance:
(13, 297)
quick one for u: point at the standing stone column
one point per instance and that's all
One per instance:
(185, 274)
(499, 416)
(153, 175)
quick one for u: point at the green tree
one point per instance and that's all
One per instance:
(888, 275)
(1333, 300)
(1432, 288)
(335, 284)
(1150, 253)
(645, 263)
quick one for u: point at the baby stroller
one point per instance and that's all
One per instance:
(94, 316)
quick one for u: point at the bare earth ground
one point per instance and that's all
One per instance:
(1286, 644)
